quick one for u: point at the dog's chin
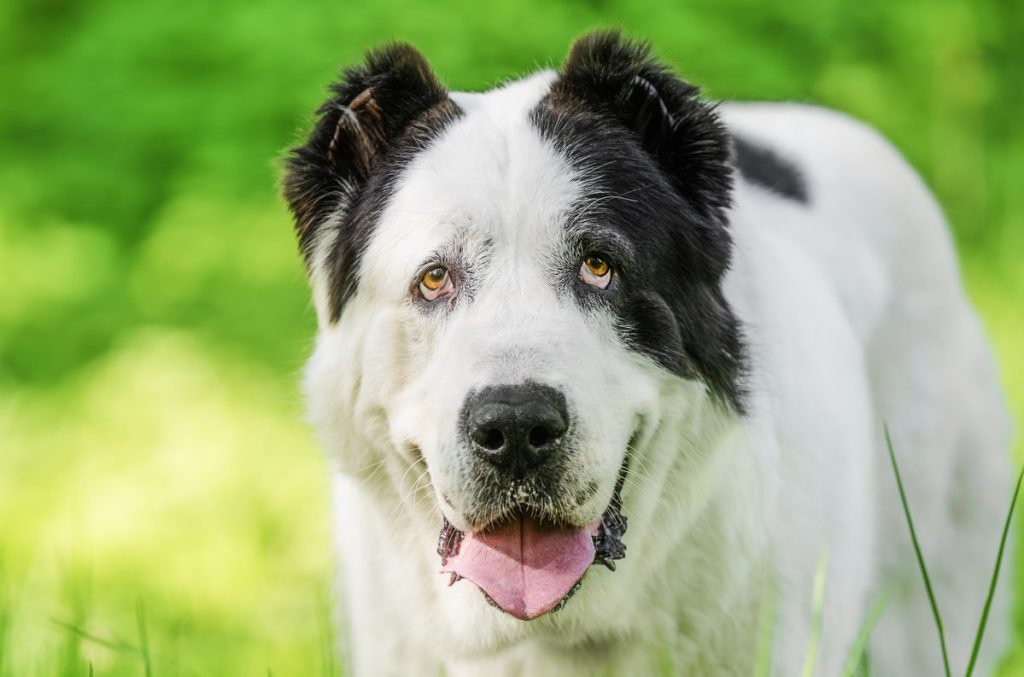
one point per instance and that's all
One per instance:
(527, 565)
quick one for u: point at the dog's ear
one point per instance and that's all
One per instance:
(614, 76)
(370, 108)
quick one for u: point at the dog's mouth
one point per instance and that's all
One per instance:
(527, 567)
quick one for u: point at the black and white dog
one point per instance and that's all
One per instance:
(588, 299)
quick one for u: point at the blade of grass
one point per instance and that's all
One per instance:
(5, 616)
(3, 631)
(995, 578)
(140, 617)
(326, 631)
(766, 631)
(76, 589)
(811, 659)
(866, 628)
(917, 551)
(122, 647)
(864, 667)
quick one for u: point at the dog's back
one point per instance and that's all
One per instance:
(866, 228)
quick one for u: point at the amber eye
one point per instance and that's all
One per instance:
(598, 266)
(435, 283)
(433, 279)
(596, 271)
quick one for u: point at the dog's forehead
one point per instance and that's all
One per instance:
(490, 177)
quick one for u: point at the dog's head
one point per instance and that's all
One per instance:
(515, 291)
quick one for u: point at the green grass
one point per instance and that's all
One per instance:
(925, 578)
(923, 568)
(982, 624)
(817, 617)
(856, 664)
(159, 494)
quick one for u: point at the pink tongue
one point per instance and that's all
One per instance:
(525, 567)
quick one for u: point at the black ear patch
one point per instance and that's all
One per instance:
(369, 113)
(617, 77)
(658, 180)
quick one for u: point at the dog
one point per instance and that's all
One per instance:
(603, 371)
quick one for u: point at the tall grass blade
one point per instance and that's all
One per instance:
(811, 659)
(140, 617)
(5, 616)
(326, 631)
(995, 578)
(3, 632)
(766, 631)
(113, 645)
(123, 647)
(917, 551)
(861, 642)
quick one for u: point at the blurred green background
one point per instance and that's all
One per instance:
(161, 500)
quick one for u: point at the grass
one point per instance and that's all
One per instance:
(995, 578)
(917, 552)
(817, 617)
(766, 629)
(926, 579)
(147, 662)
(856, 664)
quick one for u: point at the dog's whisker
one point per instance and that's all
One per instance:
(637, 490)
(640, 470)
(409, 494)
(637, 458)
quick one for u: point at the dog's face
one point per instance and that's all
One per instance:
(510, 286)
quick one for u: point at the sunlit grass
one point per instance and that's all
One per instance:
(172, 504)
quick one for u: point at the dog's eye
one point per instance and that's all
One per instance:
(436, 283)
(595, 271)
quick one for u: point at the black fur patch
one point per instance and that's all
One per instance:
(379, 115)
(657, 165)
(767, 169)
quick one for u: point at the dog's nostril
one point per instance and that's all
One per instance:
(491, 439)
(541, 436)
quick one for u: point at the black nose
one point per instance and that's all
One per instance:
(518, 426)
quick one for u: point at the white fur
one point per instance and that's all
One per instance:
(854, 315)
